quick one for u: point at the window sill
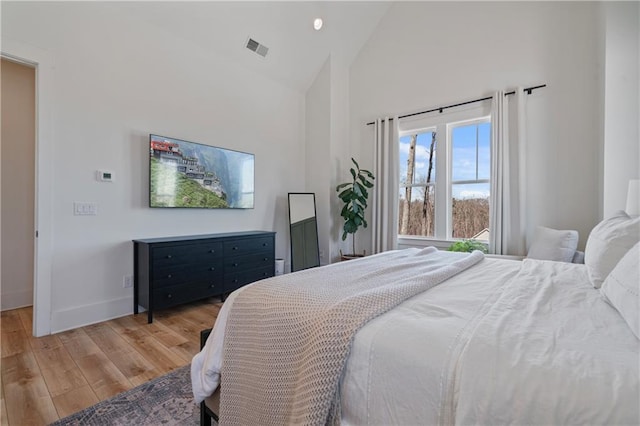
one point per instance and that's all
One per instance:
(421, 242)
(504, 256)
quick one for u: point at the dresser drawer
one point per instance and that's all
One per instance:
(233, 281)
(176, 295)
(248, 245)
(249, 261)
(186, 254)
(184, 274)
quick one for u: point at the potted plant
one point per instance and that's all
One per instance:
(468, 246)
(354, 195)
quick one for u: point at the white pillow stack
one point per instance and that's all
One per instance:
(608, 242)
(553, 244)
(622, 288)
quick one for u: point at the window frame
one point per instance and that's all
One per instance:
(443, 124)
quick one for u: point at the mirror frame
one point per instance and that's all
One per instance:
(315, 258)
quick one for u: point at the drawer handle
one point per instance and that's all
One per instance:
(212, 251)
(168, 256)
(212, 269)
(264, 274)
(235, 247)
(212, 286)
(169, 276)
(264, 244)
(235, 281)
(169, 296)
(235, 264)
(265, 259)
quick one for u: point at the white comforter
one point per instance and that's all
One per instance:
(549, 351)
(503, 342)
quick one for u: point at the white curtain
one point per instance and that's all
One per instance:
(386, 185)
(507, 210)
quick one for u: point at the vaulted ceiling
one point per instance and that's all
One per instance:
(296, 51)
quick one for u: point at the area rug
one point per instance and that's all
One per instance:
(165, 400)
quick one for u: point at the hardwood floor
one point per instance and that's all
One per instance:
(47, 378)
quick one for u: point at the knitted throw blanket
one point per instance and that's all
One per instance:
(287, 338)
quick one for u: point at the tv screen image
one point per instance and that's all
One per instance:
(193, 175)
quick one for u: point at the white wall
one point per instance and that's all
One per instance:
(340, 155)
(318, 134)
(428, 54)
(621, 102)
(116, 81)
(328, 151)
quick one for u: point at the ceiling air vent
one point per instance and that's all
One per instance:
(254, 46)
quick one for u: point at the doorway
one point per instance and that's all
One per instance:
(17, 180)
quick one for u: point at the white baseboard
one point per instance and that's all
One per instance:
(16, 299)
(90, 314)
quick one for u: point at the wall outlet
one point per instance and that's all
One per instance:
(127, 281)
(321, 254)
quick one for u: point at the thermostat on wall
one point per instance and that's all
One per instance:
(104, 176)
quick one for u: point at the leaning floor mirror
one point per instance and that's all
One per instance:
(303, 231)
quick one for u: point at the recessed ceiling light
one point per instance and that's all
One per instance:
(317, 24)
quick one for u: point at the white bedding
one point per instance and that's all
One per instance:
(493, 345)
(549, 351)
(393, 375)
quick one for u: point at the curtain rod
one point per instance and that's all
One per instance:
(528, 90)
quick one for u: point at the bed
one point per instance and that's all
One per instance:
(494, 342)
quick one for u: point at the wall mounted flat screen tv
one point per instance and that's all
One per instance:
(186, 174)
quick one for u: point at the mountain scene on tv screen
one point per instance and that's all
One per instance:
(185, 174)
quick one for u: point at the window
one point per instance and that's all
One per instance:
(470, 172)
(417, 183)
(454, 202)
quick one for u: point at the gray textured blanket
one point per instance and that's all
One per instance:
(288, 338)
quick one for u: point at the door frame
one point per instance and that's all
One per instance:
(42, 61)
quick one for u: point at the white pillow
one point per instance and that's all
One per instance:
(553, 244)
(607, 243)
(622, 288)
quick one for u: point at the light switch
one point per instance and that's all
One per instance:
(82, 208)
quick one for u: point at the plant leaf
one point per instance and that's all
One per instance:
(350, 226)
(363, 190)
(345, 192)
